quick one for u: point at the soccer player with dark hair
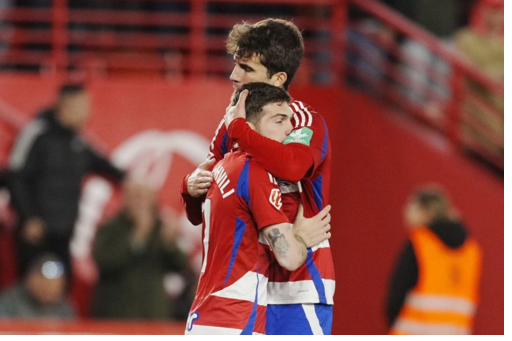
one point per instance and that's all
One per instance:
(243, 202)
(270, 51)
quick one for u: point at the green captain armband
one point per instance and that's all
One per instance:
(302, 136)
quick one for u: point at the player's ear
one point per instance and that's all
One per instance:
(279, 78)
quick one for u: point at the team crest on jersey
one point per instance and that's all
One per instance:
(302, 135)
(275, 198)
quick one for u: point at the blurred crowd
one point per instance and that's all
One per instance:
(424, 75)
(134, 251)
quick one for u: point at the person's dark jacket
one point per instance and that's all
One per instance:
(3, 178)
(405, 276)
(48, 165)
(130, 284)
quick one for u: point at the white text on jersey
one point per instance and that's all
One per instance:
(221, 177)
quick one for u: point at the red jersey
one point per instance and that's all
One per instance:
(302, 165)
(231, 295)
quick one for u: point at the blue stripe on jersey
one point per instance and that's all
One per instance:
(242, 189)
(249, 327)
(239, 234)
(317, 190)
(315, 276)
(223, 146)
(326, 139)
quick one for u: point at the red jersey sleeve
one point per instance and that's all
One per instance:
(191, 205)
(297, 157)
(220, 145)
(265, 198)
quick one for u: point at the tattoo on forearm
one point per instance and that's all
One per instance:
(279, 242)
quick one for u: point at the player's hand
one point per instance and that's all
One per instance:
(236, 111)
(33, 231)
(201, 179)
(313, 230)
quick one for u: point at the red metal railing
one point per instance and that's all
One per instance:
(155, 41)
(449, 94)
(176, 39)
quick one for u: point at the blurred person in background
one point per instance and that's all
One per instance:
(41, 294)
(48, 163)
(133, 252)
(426, 75)
(440, 17)
(482, 44)
(434, 287)
(482, 41)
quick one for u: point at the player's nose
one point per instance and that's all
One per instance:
(289, 128)
(234, 75)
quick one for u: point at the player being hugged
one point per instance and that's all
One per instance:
(243, 224)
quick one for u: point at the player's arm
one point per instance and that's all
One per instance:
(290, 252)
(291, 161)
(194, 186)
(267, 210)
(101, 165)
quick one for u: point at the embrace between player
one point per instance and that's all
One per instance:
(298, 301)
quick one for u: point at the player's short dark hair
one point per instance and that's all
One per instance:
(71, 89)
(278, 44)
(434, 200)
(260, 94)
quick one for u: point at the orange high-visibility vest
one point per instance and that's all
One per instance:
(445, 298)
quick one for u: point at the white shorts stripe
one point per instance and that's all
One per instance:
(314, 323)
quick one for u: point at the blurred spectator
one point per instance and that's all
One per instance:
(133, 252)
(434, 287)
(440, 17)
(482, 42)
(41, 294)
(425, 75)
(48, 163)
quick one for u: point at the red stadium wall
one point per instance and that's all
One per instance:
(378, 158)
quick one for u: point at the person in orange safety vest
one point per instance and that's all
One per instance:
(434, 287)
